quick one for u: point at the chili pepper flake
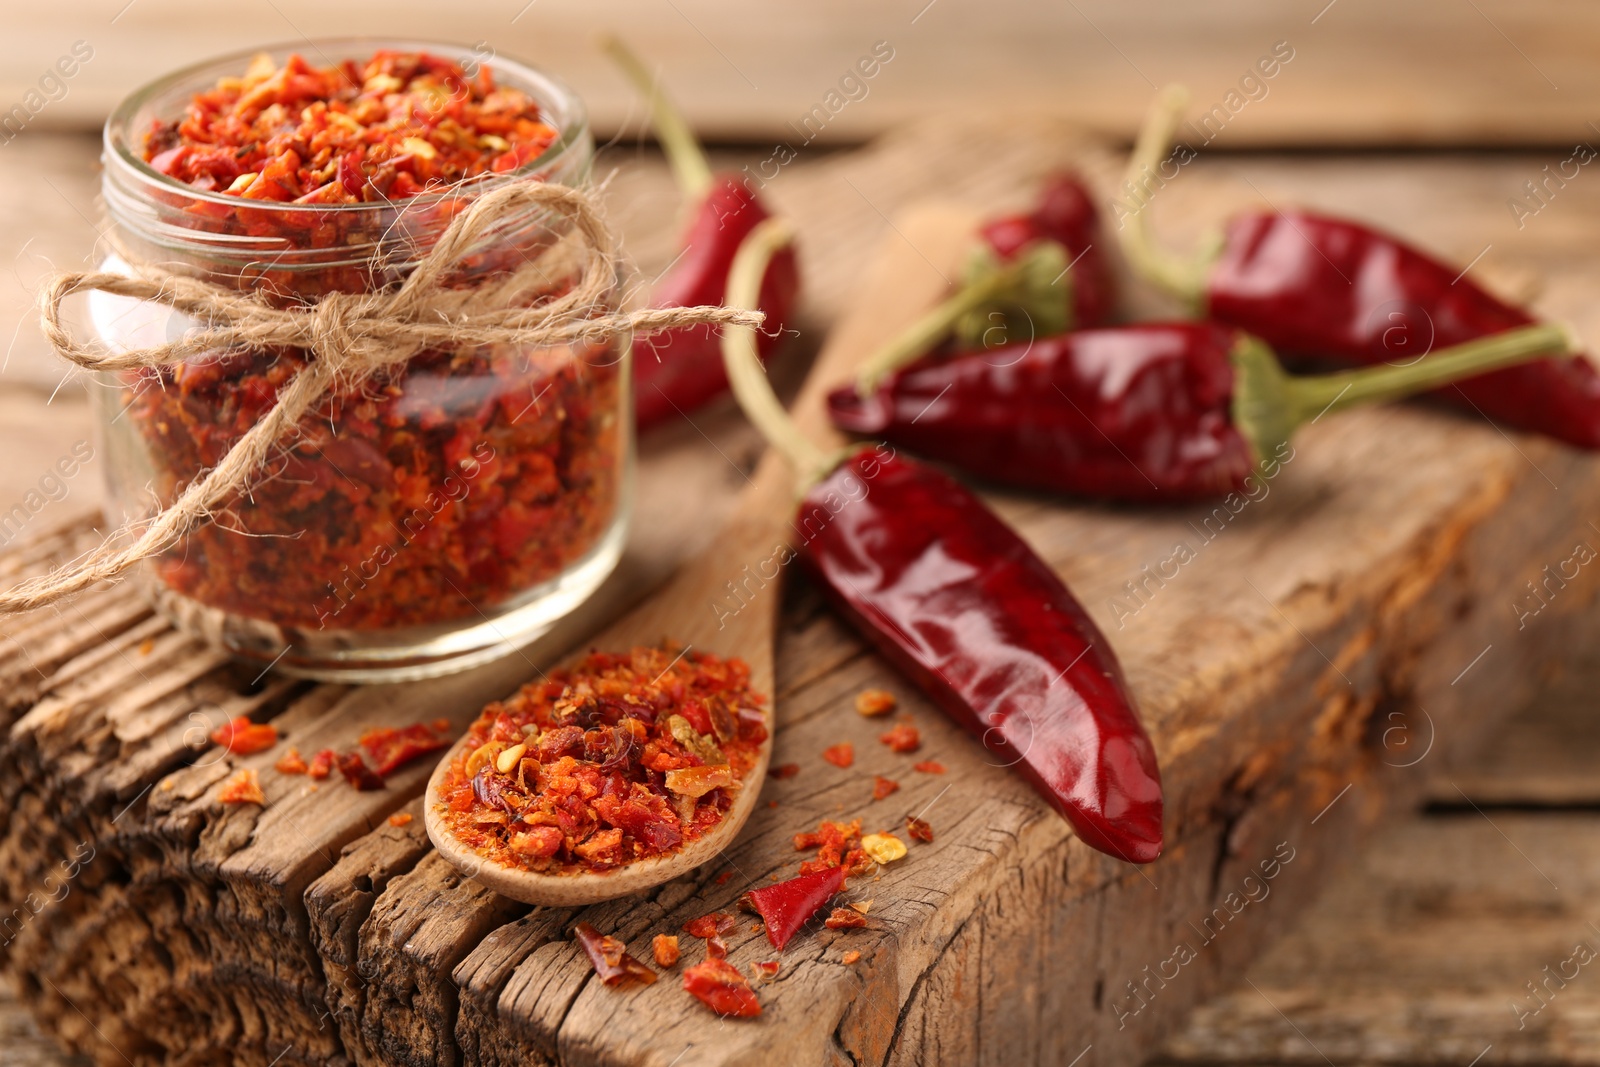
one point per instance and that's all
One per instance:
(929, 766)
(882, 787)
(832, 840)
(357, 773)
(400, 818)
(883, 848)
(902, 737)
(665, 949)
(850, 958)
(595, 766)
(875, 702)
(391, 749)
(719, 986)
(787, 906)
(919, 829)
(841, 755)
(291, 763)
(845, 919)
(863, 906)
(242, 737)
(610, 958)
(765, 970)
(243, 788)
(716, 948)
(723, 878)
(711, 925)
(783, 770)
(322, 764)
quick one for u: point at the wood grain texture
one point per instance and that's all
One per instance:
(1373, 574)
(1363, 71)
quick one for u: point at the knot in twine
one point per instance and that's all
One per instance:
(351, 336)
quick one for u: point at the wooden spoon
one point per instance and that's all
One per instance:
(724, 601)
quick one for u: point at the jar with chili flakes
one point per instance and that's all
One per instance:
(434, 517)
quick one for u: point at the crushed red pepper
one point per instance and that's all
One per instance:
(428, 494)
(397, 125)
(599, 765)
(841, 755)
(719, 986)
(243, 788)
(929, 766)
(390, 749)
(882, 787)
(844, 919)
(850, 958)
(875, 702)
(322, 764)
(291, 763)
(919, 829)
(242, 737)
(400, 818)
(665, 949)
(708, 926)
(357, 773)
(837, 844)
(902, 737)
(610, 958)
(784, 770)
(787, 906)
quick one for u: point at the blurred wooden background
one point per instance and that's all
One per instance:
(1363, 72)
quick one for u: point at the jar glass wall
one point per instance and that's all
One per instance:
(416, 523)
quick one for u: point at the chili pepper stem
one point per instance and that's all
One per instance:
(1269, 405)
(743, 362)
(684, 154)
(1182, 277)
(1032, 276)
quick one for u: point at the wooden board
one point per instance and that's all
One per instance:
(1363, 71)
(1000, 939)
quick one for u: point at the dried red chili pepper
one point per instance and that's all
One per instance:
(610, 958)
(322, 764)
(391, 749)
(401, 818)
(787, 906)
(243, 788)
(929, 766)
(665, 949)
(949, 594)
(719, 986)
(357, 773)
(1313, 285)
(841, 755)
(845, 919)
(882, 787)
(599, 764)
(919, 829)
(242, 737)
(678, 370)
(1149, 412)
(902, 737)
(707, 926)
(1038, 274)
(291, 763)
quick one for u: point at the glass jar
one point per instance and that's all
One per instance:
(434, 518)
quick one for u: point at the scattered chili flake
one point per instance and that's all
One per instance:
(788, 906)
(400, 818)
(595, 766)
(783, 770)
(710, 925)
(722, 879)
(242, 737)
(850, 958)
(841, 755)
(290, 763)
(716, 948)
(719, 986)
(665, 948)
(357, 773)
(832, 840)
(883, 848)
(875, 702)
(322, 764)
(391, 749)
(929, 766)
(610, 958)
(844, 919)
(882, 787)
(243, 788)
(902, 737)
(767, 969)
(147, 646)
(919, 829)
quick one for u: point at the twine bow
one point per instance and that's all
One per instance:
(352, 336)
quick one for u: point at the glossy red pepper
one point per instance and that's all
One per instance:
(786, 907)
(1316, 286)
(1064, 213)
(676, 371)
(950, 595)
(1150, 412)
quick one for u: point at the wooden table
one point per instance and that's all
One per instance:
(415, 961)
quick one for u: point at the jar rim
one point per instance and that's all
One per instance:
(553, 96)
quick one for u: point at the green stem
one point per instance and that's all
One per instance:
(684, 154)
(916, 340)
(743, 363)
(1183, 278)
(1269, 405)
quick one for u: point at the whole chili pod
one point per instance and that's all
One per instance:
(1037, 274)
(1173, 411)
(955, 599)
(1312, 285)
(678, 370)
